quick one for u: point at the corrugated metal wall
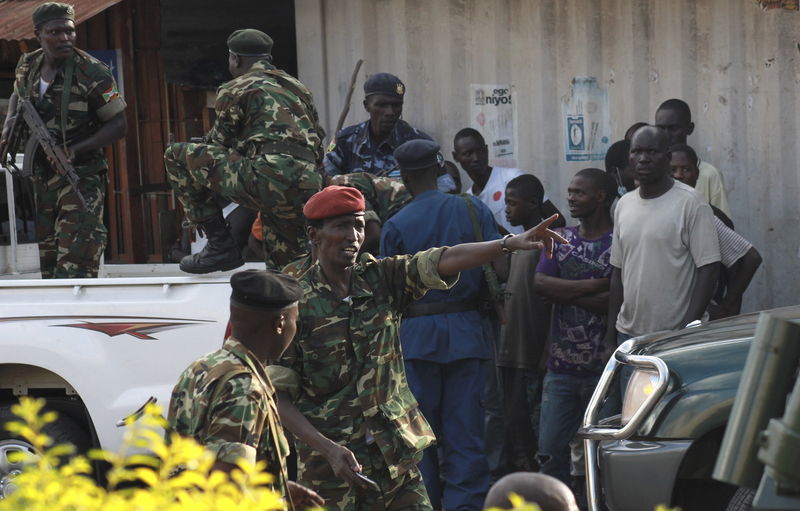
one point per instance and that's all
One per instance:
(736, 65)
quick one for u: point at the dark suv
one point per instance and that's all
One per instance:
(663, 447)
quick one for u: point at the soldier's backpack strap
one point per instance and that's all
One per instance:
(495, 293)
(223, 379)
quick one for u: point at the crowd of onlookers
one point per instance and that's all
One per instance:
(504, 363)
(652, 229)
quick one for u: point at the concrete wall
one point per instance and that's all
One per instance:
(737, 66)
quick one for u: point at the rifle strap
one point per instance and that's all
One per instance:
(69, 71)
(488, 271)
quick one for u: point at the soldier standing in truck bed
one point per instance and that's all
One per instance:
(262, 152)
(78, 100)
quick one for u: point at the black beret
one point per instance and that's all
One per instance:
(264, 289)
(384, 83)
(418, 154)
(53, 11)
(249, 42)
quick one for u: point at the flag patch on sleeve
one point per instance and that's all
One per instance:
(111, 93)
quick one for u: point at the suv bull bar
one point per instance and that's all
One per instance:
(592, 432)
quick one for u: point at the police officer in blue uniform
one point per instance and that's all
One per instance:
(369, 146)
(445, 339)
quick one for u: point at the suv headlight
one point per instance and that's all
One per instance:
(641, 384)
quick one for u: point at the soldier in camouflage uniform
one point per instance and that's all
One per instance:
(262, 153)
(383, 197)
(226, 401)
(78, 100)
(369, 146)
(342, 386)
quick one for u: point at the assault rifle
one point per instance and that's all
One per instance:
(40, 136)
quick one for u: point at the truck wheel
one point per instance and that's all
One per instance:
(742, 500)
(63, 430)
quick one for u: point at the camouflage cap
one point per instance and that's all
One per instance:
(53, 11)
(249, 42)
(384, 83)
(264, 289)
(418, 154)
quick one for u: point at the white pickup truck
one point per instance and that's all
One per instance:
(98, 349)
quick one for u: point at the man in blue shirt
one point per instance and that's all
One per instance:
(445, 339)
(369, 146)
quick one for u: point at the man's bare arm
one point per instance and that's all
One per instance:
(111, 131)
(704, 285)
(742, 274)
(471, 255)
(595, 302)
(341, 459)
(616, 296)
(566, 291)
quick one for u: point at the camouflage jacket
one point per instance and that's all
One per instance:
(266, 105)
(384, 196)
(355, 151)
(298, 267)
(345, 368)
(238, 419)
(94, 99)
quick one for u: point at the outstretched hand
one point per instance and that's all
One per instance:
(537, 237)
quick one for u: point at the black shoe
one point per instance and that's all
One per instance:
(220, 253)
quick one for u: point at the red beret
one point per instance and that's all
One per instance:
(334, 201)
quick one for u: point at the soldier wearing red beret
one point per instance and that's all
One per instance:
(341, 385)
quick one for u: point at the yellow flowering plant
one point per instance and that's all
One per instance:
(148, 473)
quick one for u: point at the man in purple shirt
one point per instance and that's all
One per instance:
(576, 280)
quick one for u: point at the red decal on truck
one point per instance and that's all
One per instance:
(138, 330)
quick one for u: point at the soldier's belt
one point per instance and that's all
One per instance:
(429, 309)
(302, 153)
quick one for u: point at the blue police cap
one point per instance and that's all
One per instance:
(418, 154)
(384, 83)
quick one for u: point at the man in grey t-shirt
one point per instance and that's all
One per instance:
(664, 252)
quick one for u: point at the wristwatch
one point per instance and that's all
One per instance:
(506, 250)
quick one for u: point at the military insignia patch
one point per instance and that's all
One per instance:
(400, 89)
(331, 146)
(111, 93)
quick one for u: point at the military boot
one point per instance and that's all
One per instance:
(220, 253)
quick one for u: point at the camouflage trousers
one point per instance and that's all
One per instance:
(70, 239)
(404, 493)
(276, 185)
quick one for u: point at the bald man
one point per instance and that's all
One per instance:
(545, 491)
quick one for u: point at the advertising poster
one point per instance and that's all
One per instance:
(492, 113)
(586, 120)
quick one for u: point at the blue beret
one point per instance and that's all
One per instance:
(418, 154)
(384, 83)
(249, 42)
(264, 289)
